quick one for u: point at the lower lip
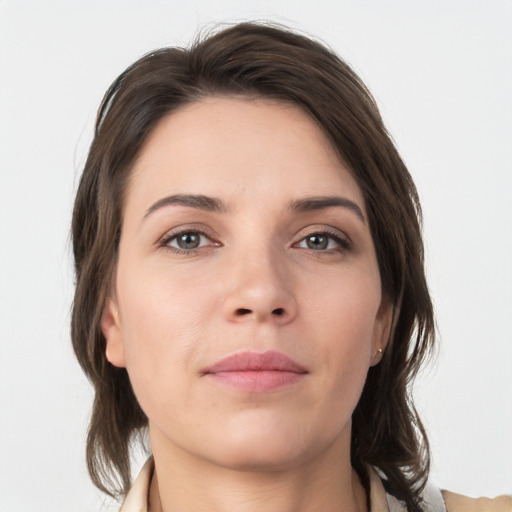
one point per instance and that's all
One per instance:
(257, 381)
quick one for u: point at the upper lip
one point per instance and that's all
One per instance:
(256, 361)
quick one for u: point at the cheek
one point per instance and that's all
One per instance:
(347, 312)
(161, 309)
(345, 318)
(163, 321)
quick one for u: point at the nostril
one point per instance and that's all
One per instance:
(243, 311)
(278, 312)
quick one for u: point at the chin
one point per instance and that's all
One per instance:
(259, 457)
(266, 446)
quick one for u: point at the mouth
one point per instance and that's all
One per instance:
(256, 372)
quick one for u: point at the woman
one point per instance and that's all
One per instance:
(250, 285)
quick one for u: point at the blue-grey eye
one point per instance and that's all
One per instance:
(320, 242)
(317, 242)
(188, 240)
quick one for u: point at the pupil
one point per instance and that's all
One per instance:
(317, 242)
(188, 241)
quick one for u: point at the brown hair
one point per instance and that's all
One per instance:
(272, 62)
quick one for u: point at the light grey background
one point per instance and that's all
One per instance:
(442, 74)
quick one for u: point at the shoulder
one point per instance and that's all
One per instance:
(434, 500)
(137, 498)
(459, 503)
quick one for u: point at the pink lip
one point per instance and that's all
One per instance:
(257, 372)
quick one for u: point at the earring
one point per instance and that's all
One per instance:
(378, 353)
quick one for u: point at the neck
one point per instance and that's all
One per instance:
(183, 482)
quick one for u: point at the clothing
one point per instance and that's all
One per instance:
(435, 500)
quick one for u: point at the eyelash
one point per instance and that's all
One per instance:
(344, 244)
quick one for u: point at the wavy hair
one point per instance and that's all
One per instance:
(257, 60)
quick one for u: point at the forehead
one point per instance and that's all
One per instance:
(231, 147)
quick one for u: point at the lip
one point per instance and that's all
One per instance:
(256, 372)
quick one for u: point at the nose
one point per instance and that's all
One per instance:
(260, 289)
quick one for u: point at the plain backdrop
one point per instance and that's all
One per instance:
(441, 72)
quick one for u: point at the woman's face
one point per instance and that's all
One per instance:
(248, 305)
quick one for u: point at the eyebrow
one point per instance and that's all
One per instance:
(212, 204)
(319, 203)
(200, 202)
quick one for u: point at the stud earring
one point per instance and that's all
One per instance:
(378, 353)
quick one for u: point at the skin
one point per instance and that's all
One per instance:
(254, 283)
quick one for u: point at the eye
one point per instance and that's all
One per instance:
(323, 242)
(186, 241)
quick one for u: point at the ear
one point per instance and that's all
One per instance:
(111, 328)
(382, 331)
